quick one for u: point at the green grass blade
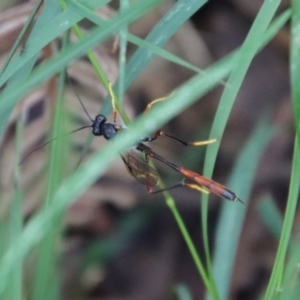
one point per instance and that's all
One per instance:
(245, 56)
(275, 284)
(45, 276)
(197, 261)
(295, 62)
(16, 219)
(49, 10)
(291, 285)
(232, 216)
(162, 53)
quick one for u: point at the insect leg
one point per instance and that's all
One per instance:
(160, 133)
(113, 101)
(182, 183)
(148, 107)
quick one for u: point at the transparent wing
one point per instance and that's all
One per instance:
(139, 168)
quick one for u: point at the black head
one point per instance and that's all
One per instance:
(97, 125)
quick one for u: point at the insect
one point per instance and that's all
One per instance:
(137, 160)
(138, 166)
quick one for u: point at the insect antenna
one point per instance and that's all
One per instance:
(77, 96)
(65, 134)
(51, 140)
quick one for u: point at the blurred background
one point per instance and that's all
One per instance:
(119, 242)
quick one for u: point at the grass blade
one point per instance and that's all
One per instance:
(246, 54)
(275, 284)
(45, 276)
(16, 219)
(232, 216)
